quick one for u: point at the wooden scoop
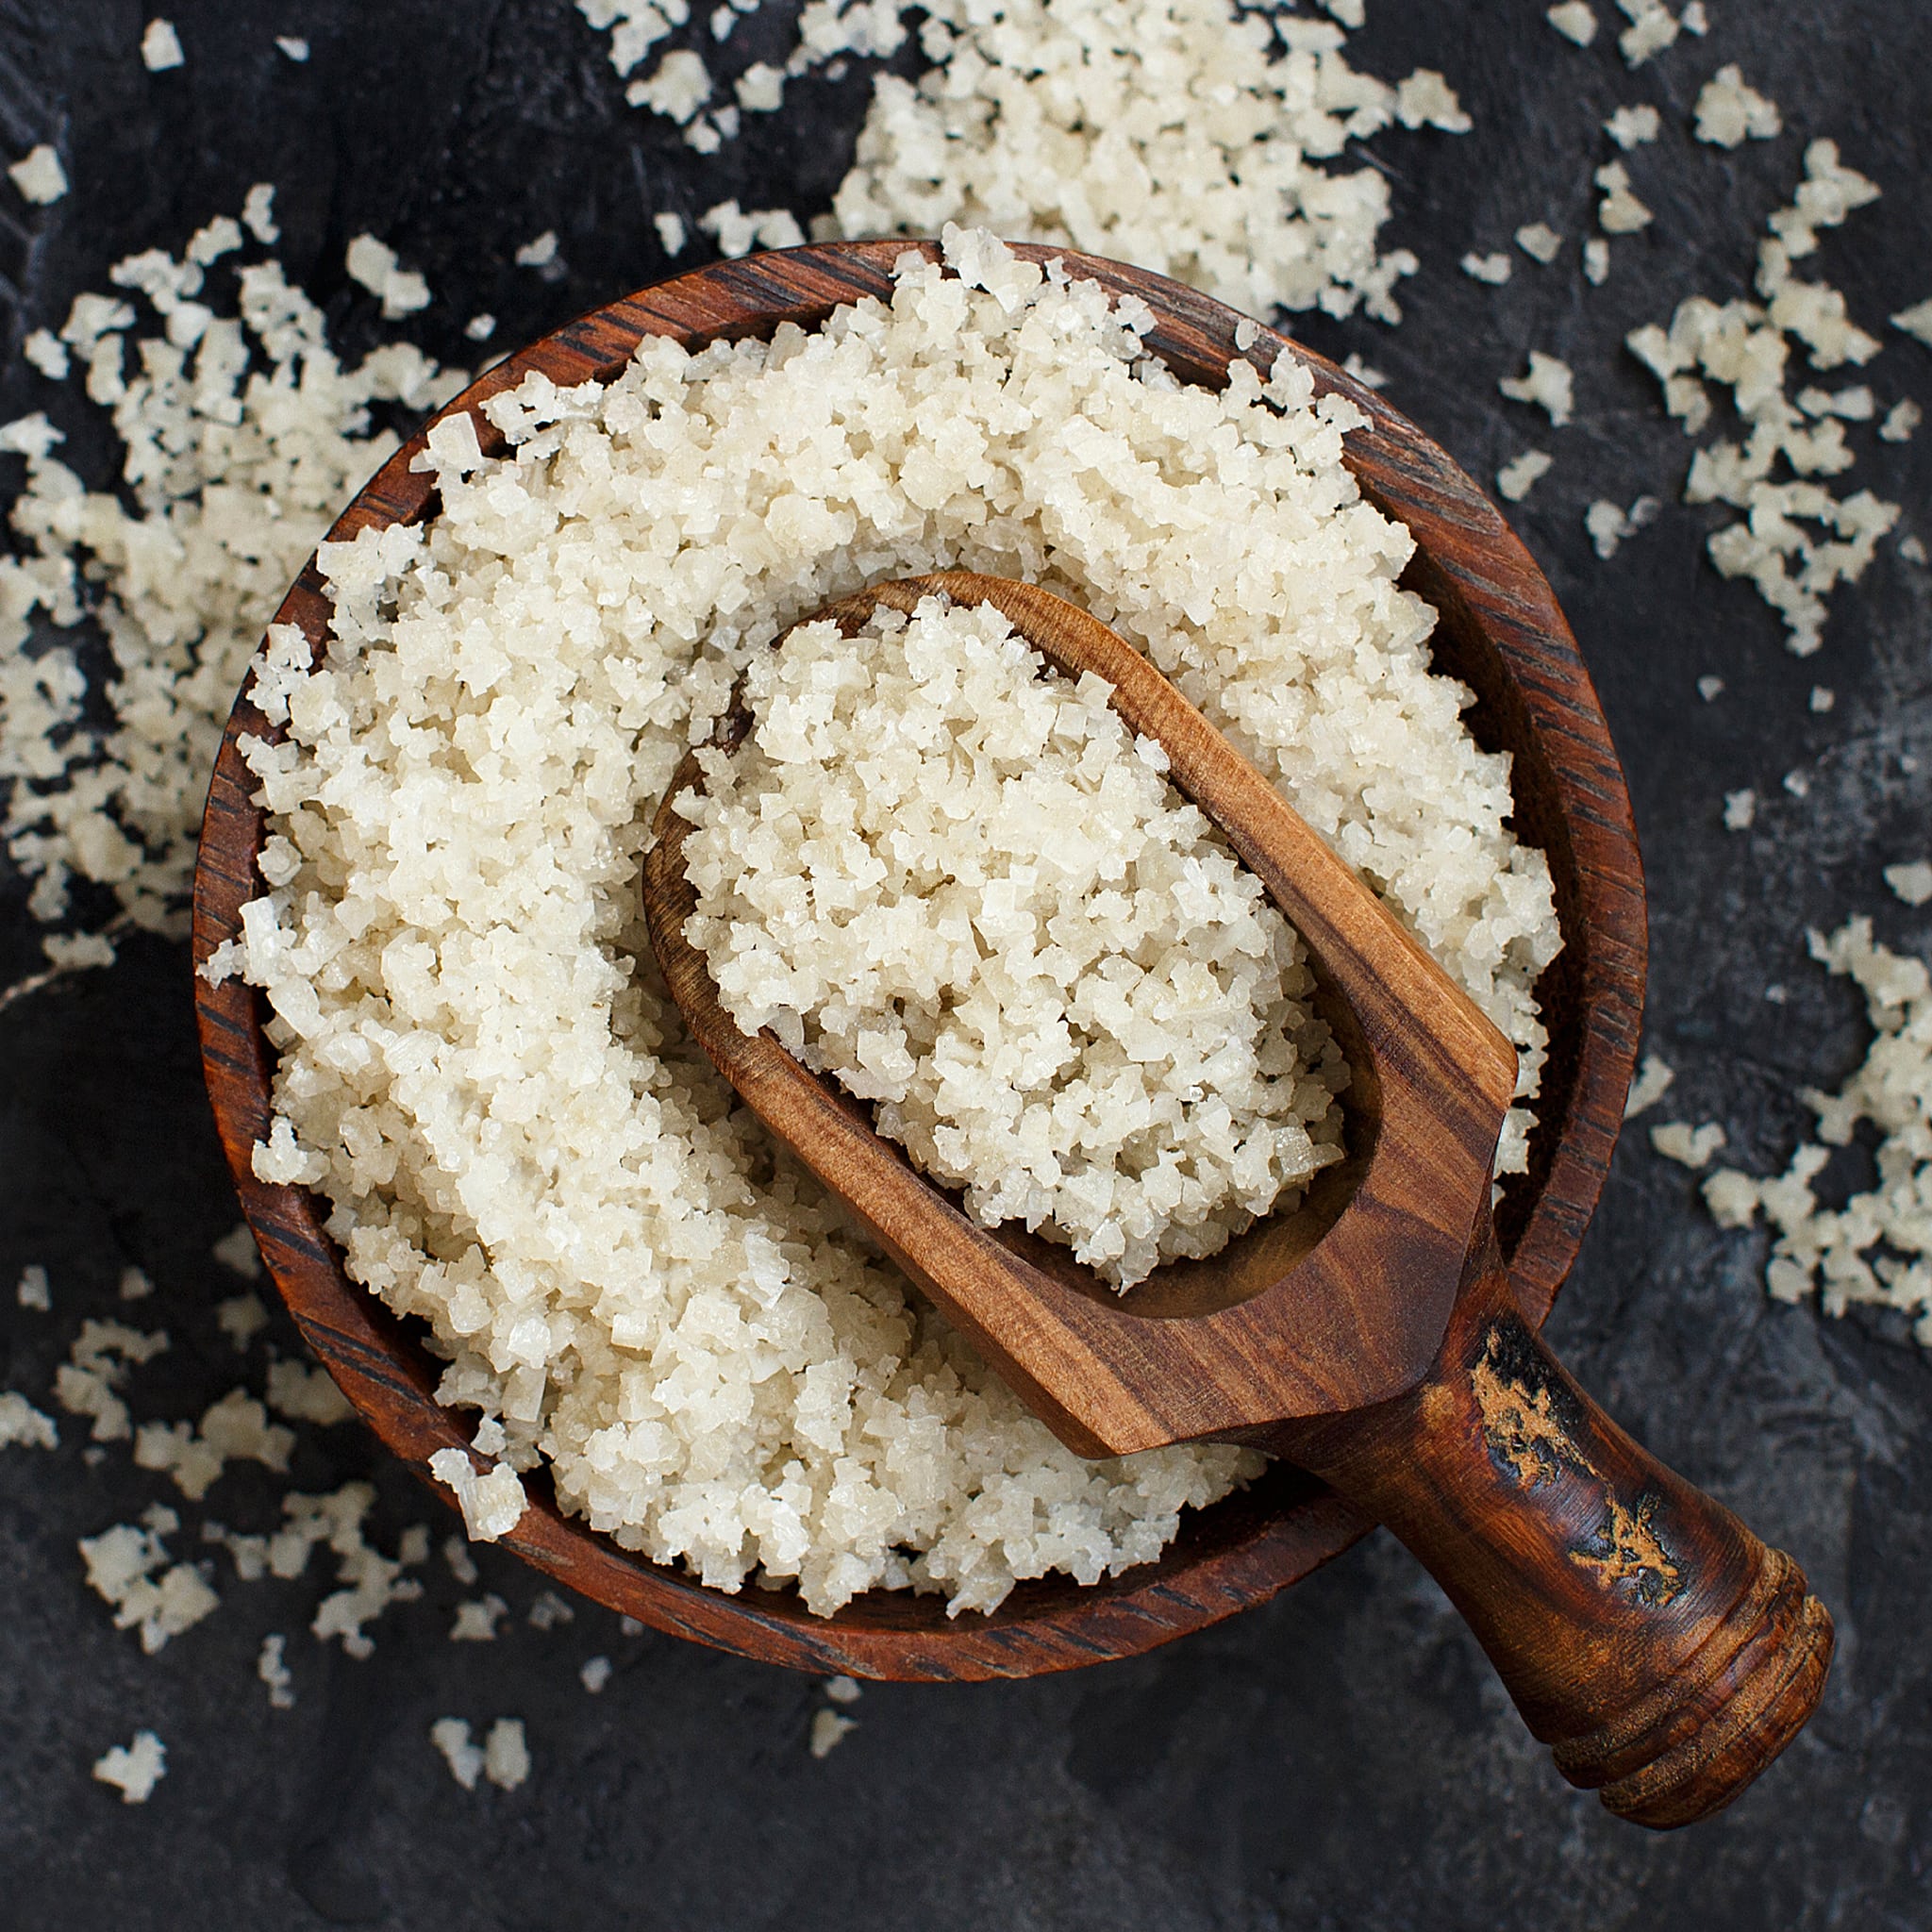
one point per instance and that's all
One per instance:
(1663, 1652)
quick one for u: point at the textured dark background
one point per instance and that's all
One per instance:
(1341, 1758)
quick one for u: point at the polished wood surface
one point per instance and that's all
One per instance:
(1642, 1630)
(1301, 1316)
(1501, 632)
(1663, 1652)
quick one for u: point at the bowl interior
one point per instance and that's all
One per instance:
(1500, 632)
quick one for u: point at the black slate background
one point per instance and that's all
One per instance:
(1341, 1758)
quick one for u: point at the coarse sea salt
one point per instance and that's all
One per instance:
(477, 1061)
(964, 888)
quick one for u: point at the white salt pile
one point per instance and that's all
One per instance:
(1796, 542)
(1188, 136)
(243, 436)
(1878, 1247)
(1184, 136)
(477, 1062)
(967, 891)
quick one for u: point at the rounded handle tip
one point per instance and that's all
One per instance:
(1700, 1739)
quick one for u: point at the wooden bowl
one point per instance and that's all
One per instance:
(1500, 632)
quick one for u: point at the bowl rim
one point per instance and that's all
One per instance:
(1236, 1553)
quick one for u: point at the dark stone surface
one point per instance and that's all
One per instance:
(1341, 1758)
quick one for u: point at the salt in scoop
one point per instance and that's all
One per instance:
(1664, 1653)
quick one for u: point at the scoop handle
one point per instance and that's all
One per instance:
(1663, 1653)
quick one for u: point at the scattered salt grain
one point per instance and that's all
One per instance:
(1364, 373)
(1911, 882)
(69, 951)
(294, 46)
(679, 86)
(274, 1670)
(237, 1252)
(505, 1754)
(47, 353)
(1493, 269)
(1619, 213)
(161, 46)
(1633, 127)
(135, 1285)
(21, 1425)
(129, 1568)
(1520, 475)
(843, 1689)
(671, 233)
(1797, 784)
(1539, 242)
(236, 1428)
(828, 1727)
(549, 1612)
(629, 1627)
(1653, 27)
(98, 1364)
(1709, 688)
(1689, 1147)
(39, 175)
(1878, 1247)
(539, 253)
(1652, 1083)
(1548, 384)
(477, 1620)
(1916, 320)
(1853, 404)
(1696, 19)
(376, 266)
(493, 1503)
(1596, 261)
(1911, 550)
(738, 231)
(370, 1582)
(242, 1317)
(32, 1291)
(462, 1566)
(1823, 697)
(1900, 420)
(1574, 19)
(1740, 810)
(300, 1393)
(1611, 527)
(1425, 99)
(258, 213)
(595, 1673)
(460, 1751)
(1730, 113)
(479, 328)
(1247, 332)
(134, 1769)
(760, 89)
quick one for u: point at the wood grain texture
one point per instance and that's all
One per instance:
(1335, 1306)
(1663, 1652)
(1500, 631)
